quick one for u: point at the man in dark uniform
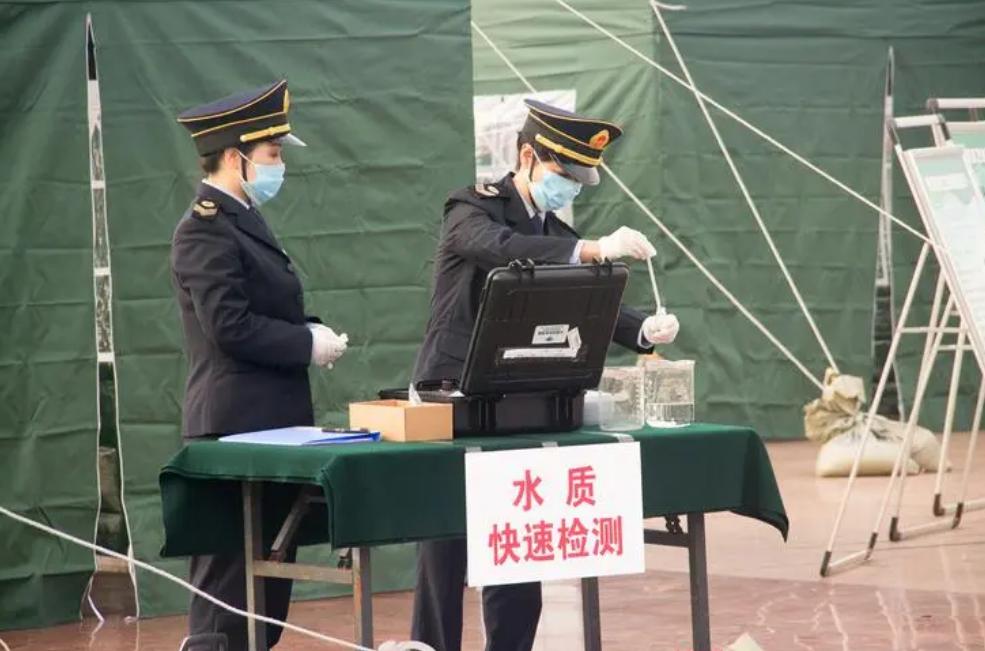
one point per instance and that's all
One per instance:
(247, 339)
(487, 226)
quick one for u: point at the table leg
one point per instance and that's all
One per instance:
(698, 570)
(362, 596)
(253, 551)
(590, 618)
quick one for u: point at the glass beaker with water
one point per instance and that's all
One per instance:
(669, 390)
(621, 398)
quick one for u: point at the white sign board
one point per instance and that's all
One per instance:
(953, 210)
(554, 513)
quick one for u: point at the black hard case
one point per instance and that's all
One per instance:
(499, 395)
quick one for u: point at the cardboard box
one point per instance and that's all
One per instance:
(399, 420)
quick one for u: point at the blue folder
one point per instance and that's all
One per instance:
(295, 436)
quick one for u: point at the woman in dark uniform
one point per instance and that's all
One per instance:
(247, 339)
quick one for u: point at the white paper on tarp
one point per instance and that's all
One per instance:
(554, 513)
(498, 119)
(954, 214)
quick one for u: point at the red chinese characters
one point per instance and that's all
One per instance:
(504, 544)
(573, 539)
(608, 536)
(527, 491)
(581, 486)
(542, 540)
(547, 541)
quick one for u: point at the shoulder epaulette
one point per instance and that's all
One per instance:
(205, 209)
(486, 190)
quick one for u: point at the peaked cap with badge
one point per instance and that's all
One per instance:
(575, 141)
(242, 118)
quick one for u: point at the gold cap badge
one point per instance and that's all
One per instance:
(599, 140)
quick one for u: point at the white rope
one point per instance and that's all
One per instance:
(759, 132)
(88, 595)
(505, 59)
(666, 231)
(95, 632)
(386, 646)
(742, 187)
(714, 281)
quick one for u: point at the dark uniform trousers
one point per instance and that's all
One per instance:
(484, 227)
(510, 613)
(248, 349)
(224, 576)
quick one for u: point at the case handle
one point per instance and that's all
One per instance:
(601, 264)
(523, 266)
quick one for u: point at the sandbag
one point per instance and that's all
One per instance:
(838, 409)
(925, 448)
(836, 420)
(836, 457)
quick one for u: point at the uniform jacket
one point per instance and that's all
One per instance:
(242, 311)
(484, 227)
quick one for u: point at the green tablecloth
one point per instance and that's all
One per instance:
(380, 493)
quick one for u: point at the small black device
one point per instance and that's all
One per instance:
(540, 340)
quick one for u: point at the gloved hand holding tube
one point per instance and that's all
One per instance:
(626, 243)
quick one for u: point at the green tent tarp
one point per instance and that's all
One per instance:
(48, 414)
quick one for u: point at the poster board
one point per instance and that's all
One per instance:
(953, 211)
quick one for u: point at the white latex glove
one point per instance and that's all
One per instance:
(626, 243)
(326, 346)
(661, 328)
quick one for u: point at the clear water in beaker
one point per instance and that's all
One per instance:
(669, 391)
(621, 398)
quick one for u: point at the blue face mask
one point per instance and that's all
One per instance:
(553, 191)
(267, 183)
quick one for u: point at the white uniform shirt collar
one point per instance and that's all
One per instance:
(531, 211)
(227, 193)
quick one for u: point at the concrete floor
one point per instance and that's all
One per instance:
(925, 593)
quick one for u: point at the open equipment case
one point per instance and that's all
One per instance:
(540, 340)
